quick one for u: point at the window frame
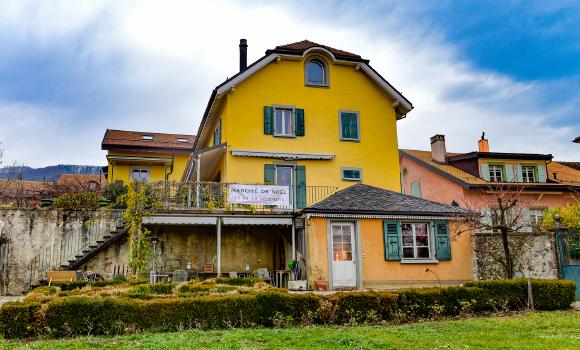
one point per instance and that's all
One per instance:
(502, 172)
(147, 170)
(534, 173)
(344, 178)
(292, 111)
(326, 76)
(341, 138)
(430, 242)
(217, 133)
(533, 219)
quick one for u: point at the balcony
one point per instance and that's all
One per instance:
(237, 198)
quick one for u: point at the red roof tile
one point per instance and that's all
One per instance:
(114, 138)
(304, 45)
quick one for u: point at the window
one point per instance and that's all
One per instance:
(139, 174)
(217, 133)
(529, 174)
(283, 122)
(147, 138)
(416, 241)
(416, 189)
(182, 140)
(342, 241)
(93, 185)
(351, 174)
(495, 173)
(349, 126)
(284, 175)
(316, 73)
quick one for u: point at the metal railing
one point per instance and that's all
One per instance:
(70, 247)
(215, 195)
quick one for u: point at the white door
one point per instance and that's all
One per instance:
(343, 255)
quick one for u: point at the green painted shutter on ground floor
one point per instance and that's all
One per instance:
(442, 240)
(392, 240)
(300, 186)
(269, 174)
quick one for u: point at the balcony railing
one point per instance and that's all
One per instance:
(216, 196)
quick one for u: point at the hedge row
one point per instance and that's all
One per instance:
(69, 316)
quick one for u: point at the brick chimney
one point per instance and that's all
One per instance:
(438, 151)
(483, 144)
(243, 54)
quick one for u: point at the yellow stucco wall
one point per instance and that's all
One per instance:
(157, 172)
(282, 83)
(378, 273)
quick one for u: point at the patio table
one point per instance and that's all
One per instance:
(280, 280)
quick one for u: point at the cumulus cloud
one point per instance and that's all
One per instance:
(151, 65)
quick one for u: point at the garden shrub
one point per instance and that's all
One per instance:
(77, 201)
(17, 319)
(153, 307)
(68, 286)
(239, 281)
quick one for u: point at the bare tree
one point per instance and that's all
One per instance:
(499, 210)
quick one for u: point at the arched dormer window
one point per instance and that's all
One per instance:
(316, 72)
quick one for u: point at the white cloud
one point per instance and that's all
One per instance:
(171, 54)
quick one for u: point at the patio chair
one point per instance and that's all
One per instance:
(233, 274)
(180, 276)
(264, 275)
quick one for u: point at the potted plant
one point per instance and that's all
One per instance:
(319, 283)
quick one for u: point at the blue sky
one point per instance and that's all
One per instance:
(71, 69)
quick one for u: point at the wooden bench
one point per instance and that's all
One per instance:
(61, 276)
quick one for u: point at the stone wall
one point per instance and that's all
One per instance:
(26, 233)
(534, 255)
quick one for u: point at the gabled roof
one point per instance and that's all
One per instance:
(143, 139)
(565, 177)
(300, 47)
(401, 105)
(365, 199)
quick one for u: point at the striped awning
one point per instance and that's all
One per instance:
(256, 221)
(282, 155)
(179, 220)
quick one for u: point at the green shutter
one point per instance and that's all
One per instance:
(349, 126)
(484, 171)
(541, 173)
(509, 173)
(442, 241)
(300, 186)
(392, 240)
(268, 120)
(416, 189)
(519, 174)
(269, 174)
(299, 121)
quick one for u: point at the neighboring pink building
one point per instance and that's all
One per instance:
(464, 178)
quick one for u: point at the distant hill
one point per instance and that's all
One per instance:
(49, 173)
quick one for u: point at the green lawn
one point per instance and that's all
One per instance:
(546, 330)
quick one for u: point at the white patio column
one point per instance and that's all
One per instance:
(293, 238)
(219, 246)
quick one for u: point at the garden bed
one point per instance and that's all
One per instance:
(225, 303)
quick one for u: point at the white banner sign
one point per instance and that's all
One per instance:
(260, 194)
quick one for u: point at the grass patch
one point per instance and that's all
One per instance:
(541, 330)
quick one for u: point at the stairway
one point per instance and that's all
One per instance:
(78, 247)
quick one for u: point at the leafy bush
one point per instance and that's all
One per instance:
(68, 286)
(239, 281)
(158, 288)
(17, 319)
(116, 194)
(141, 310)
(77, 201)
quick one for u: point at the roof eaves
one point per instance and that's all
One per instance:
(435, 169)
(382, 212)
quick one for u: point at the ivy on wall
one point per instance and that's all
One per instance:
(141, 201)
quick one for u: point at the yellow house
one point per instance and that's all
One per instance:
(149, 156)
(304, 115)
(296, 158)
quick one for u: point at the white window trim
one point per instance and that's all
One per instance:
(431, 246)
(292, 110)
(326, 76)
(343, 169)
(340, 125)
(534, 173)
(502, 172)
(147, 170)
